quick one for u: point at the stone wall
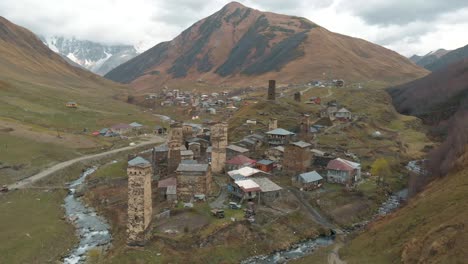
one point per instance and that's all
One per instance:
(192, 183)
(296, 159)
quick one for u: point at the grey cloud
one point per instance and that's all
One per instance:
(401, 12)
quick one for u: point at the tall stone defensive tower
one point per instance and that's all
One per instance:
(175, 141)
(272, 90)
(219, 140)
(140, 206)
(272, 124)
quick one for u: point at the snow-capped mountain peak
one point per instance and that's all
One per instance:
(96, 57)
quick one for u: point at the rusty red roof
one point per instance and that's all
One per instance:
(167, 182)
(339, 165)
(241, 160)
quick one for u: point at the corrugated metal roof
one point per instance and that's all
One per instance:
(341, 164)
(135, 124)
(265, 162)
(240, 160)
(311, 176)
(266, 185)
(245, 171)
(192, 167)
(301, 144)
(280, 131)
(248, 185)
(237, 148)
(138, 161)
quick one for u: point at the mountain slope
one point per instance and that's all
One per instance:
(241, 46)
(429, 58)
(36, 127)
(449, 58)
(95, 57)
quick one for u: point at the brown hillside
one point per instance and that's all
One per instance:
(239, 46)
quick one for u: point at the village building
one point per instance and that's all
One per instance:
(219, 138)
(195, 147)
(308, 181)
(315, 100)
(321, 158)
(244, 189)
(271, 90)
(269, 191)
(297, 96)
(167, 189)
(136, 125)
(343, 171)
(140, 209)
(72, 105)
(265, 165)
(272, 124)
(279, 136)
(187, 131)
(343, 115)
(238, 162)
(234, 150)
(204, 144)
(193, 180)
(121, 128)
(275, 153)
(159, 130)
(297, 157)
(160, 153)
(304, 126)
(175, 146)
(186, 155)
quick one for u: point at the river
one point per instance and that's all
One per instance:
(92, 230)
(308, 247)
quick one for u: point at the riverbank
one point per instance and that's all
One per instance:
(92, 230)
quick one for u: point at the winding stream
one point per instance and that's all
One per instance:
(92, 230)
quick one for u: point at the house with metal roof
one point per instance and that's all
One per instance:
(238, 162)
(343, 171)
(265, 165)
(308, 181)
(343, 114)
(279, 136)
(136, 125)
(193, 180)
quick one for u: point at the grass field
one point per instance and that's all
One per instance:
(32, 228)
(430, 229)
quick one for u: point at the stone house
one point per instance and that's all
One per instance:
(343, 171)
(233, 150)
(195, 147)
(297, 157)
(186, 155)
(193, 179)
(167, 189)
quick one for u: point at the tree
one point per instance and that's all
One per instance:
(381, 168)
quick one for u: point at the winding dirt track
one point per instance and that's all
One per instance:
(44, 174)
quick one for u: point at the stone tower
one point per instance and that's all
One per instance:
(174, 143)
(140, 206)
(219, 140)
(297, 96)
(272, 90)
(272, 124)
(304, 126)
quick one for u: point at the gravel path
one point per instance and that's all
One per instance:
(43, 174)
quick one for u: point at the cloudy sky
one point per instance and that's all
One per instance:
(406, 26)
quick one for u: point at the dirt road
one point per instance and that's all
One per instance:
(333, 257)
(25, 182)
(312, 211)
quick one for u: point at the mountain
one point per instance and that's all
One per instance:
(92, 56)
(449, 58)
(35, 84)
(429, 58)
(241, 46)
